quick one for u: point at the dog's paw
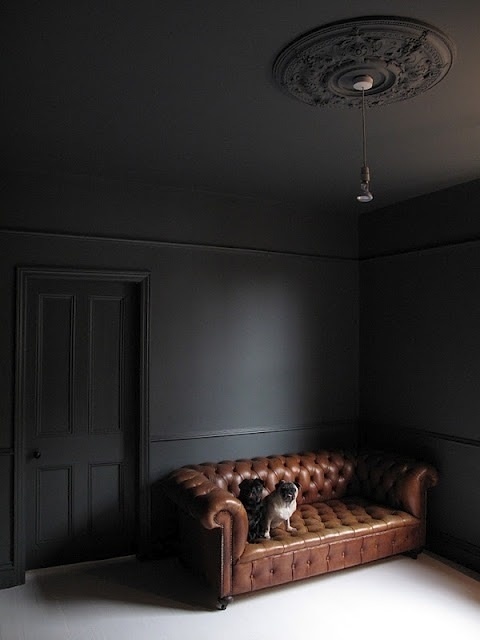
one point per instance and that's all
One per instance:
(267, 535)
(290, 529)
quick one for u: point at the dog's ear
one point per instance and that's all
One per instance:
(279, 484)
(259, 482)
(297, 484)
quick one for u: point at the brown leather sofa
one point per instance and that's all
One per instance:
(352, 508)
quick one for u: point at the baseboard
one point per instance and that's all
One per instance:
(455, 549)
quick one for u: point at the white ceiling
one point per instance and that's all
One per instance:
(180, 93)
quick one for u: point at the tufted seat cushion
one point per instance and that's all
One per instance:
(324, 522)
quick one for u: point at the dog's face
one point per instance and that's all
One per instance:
(251, 492)
(287, 490)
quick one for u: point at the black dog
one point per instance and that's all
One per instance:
(251, 496)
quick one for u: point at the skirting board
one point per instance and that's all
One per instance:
(460, 551)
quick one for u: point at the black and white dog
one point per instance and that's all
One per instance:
(251, 496)
(280, 505)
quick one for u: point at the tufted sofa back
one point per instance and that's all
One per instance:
(321, 475)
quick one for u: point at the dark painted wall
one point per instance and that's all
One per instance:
(253, 350)
(420, 351)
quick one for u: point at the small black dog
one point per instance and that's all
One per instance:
(251, 496)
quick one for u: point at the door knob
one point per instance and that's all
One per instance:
(37, 453)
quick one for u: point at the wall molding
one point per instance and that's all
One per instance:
(428, 248)
(173, 244)
(7, 576)
(456, 549)
(221, 433)
(397, 253)
(459, 542)
(416, 431)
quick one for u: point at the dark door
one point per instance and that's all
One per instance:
(81, 412)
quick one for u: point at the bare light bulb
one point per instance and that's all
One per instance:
(365, 194)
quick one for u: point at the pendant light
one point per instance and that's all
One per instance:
(394, 58)
(364, 83)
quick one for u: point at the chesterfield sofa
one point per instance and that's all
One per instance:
(352, 508)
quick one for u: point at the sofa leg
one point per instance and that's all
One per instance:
(414, 553)
(223, 602)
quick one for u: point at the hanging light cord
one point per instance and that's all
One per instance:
(362, 83)
(363, 130)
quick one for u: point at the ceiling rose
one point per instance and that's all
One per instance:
(404, 58)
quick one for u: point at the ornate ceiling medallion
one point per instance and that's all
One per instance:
(404, 58)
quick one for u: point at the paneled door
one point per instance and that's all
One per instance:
(80, 415)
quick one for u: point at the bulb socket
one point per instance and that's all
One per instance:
(365, 174)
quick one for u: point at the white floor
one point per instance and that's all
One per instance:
(128, 600)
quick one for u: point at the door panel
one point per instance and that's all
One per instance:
(54, 354)
(81, 419)
(105, 370)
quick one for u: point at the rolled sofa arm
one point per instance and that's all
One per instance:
(193, 492)
(397, 481)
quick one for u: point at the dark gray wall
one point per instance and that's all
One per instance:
(420, 351)
(253, 350)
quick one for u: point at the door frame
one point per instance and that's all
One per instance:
(23, 276)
